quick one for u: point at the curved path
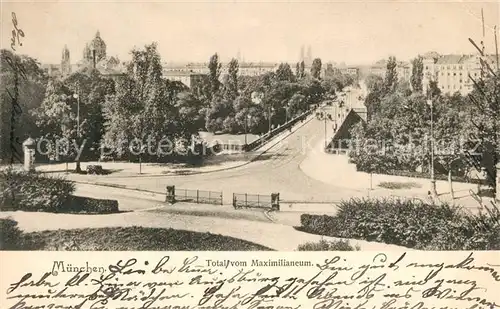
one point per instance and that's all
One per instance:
(278, 171)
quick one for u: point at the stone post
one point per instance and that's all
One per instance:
(29, 154)
(275, 201)
(170, 198)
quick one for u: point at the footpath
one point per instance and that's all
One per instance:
(212, 164)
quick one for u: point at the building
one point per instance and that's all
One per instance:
(95, 50)
(94, 56)
(190, 79)
(403, 69)
(65, 62)
(453, 73)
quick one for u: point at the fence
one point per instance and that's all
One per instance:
(266, 137)
(256, 200)
(193, 196)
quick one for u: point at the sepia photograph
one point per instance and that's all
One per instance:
(249, 126)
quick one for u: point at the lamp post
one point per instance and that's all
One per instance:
(247, 118)
(143, 148)
(270, 110)
(77, 97)
(433, 179)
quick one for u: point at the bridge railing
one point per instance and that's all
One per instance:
(271, 134)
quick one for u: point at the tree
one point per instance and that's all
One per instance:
(142, 107)
(231, 86)
(391, 75)
(417, 74)
(316, 68)
(22, 92)
(302, 70)
(214, 67)
(483, 121)
(284, 73)
(449, 127)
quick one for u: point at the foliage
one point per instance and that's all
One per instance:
(417, 74)
(231, 85)
(324, 245)
(21, 77)
(409, 223)
(134, 239)
(80, 204)
(10, 235)
(32, 191)
(391, 75)
(284, 73)
(214, 67)
(316, 68)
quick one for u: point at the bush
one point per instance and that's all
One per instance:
(409, 223)
(10, 235)
(32, 191)
(90, 205)
(323, 245)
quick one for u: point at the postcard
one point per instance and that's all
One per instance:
(249, 154)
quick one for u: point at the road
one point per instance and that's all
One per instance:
(277, 171)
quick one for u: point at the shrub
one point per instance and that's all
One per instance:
(410, 223)
(323, 245)
(33, 191)
(10, 235)
(90, 205)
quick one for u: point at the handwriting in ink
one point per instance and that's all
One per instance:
(16, 33)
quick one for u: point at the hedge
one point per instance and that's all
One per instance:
(31, 191)
(91, 205)
(324, 245)
(10, 235)
(409, 223)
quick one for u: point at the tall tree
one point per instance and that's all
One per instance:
(391, 75)
(417, 74)
(302, 69)
(297, 70)
(316, 68)
(231, 86)
(22, 91)
(284, 73)
(214, 67)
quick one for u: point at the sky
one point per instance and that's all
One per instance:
(356, 32)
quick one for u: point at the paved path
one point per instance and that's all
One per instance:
(276, 236)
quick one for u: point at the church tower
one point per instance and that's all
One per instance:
(65, 62)
(95, 51)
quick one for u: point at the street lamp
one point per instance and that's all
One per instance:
(270, 110)
(248, 117)
(324, 116)
(433, 179)
(143, 148)
(77, 97)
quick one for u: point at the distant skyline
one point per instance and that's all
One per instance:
(351, 32)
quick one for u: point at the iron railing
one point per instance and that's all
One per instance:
(198, 196)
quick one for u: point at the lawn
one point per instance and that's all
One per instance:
(126, 239)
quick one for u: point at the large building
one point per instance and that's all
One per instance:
(190, 73)
(94, 56)
(403, 69)
(452, 71)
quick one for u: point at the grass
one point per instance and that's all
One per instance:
(323, 245)
(399, 185)
(132, 239)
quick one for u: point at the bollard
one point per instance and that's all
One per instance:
(275, 201)
(170, 198)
